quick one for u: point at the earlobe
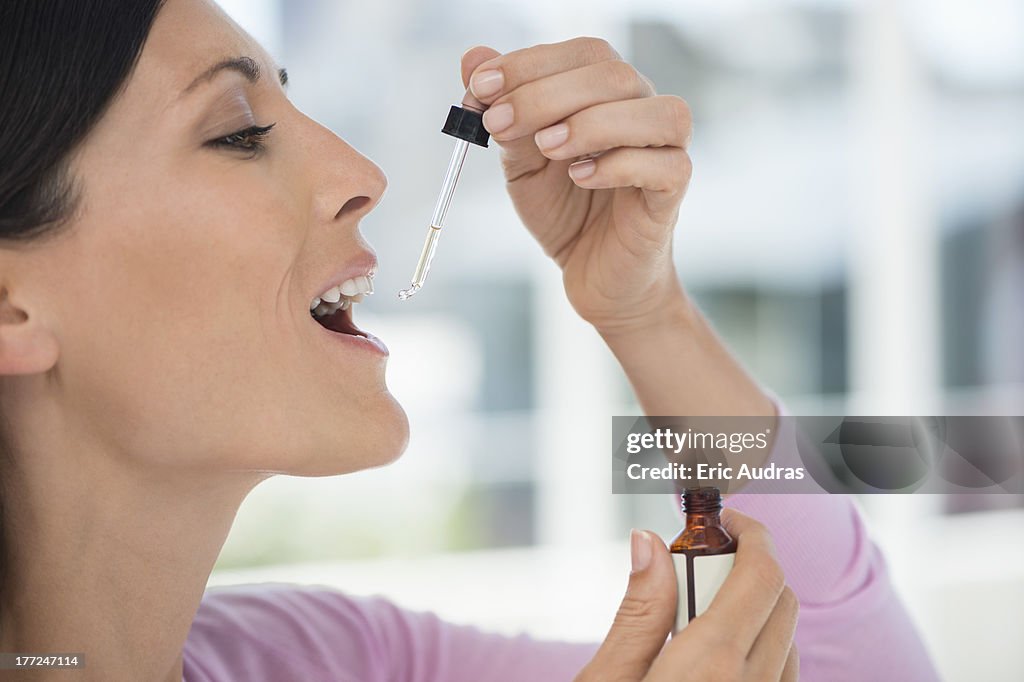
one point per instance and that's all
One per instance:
(27, 346)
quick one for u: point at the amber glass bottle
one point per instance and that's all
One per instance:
(703, 553)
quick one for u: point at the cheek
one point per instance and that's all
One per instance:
(181, 310)
(186, 345)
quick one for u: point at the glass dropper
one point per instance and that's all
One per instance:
(465, 123)
(444, 200)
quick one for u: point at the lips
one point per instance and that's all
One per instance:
(364, 264)
(346, 286)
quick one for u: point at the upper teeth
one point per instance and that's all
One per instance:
(352, 290)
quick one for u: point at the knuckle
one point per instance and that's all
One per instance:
(773, 580)
(623, 77)
(530, 101)
(757, 531)
(754, 526)
(746, 529)
(678, 112)
(649, 84)
(729, 666)
(724, 648)
(685, 169)
(633, 610)
(788, 601)
(598, 48)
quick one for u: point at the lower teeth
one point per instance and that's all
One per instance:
(336, 321)
(325, 308)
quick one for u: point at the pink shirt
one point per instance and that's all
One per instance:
(852, 625)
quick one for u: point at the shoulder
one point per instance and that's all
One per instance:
(274, 631)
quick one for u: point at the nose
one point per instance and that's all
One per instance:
(354, 205)
(348, 184)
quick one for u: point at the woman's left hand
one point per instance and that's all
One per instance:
(610, 230)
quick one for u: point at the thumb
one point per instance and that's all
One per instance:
(471, 59)
(644, 618)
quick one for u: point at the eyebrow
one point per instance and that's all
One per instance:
(247, 66)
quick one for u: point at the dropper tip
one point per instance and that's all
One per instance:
(406, 294)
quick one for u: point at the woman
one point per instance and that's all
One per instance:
(167, 216)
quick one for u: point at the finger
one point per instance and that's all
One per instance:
(749, 593)
(472, 58)
(545, 101)
(504, 73)
(791, 673)
(519, 157)
(644, 618)
(515, 68)
(659, 121)
(771, 649)
(662, 173)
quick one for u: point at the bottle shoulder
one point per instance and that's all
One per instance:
(703, 540)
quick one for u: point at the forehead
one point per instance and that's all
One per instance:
(187, 37)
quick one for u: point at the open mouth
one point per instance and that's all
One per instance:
(333, 308)
(340, 321)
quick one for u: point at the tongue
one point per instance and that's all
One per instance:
(340, 321)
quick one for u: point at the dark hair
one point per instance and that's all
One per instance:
(62, 62)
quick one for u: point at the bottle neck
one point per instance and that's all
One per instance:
(704, 532)
(702, 506)
(703, 519)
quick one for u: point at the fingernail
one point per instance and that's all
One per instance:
(486, 83)
(582, 169)
(639, 549)
(549, 138)
(498, 118)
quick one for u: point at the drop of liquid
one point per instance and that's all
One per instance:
(406, 294)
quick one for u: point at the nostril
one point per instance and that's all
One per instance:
(353, 204)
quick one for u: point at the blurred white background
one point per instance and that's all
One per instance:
(854, 230)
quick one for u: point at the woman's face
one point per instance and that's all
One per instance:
(180, 296)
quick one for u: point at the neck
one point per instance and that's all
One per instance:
(108, 558)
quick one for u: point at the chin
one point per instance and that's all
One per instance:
(374, 440)
(391, 438)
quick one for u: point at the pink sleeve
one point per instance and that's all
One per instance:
(852, 624)
(423, 648)
(273, 631)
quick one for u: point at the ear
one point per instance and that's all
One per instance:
(27, 345)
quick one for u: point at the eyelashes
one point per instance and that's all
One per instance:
(250, 140)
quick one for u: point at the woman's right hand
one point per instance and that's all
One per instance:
(745, 634)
